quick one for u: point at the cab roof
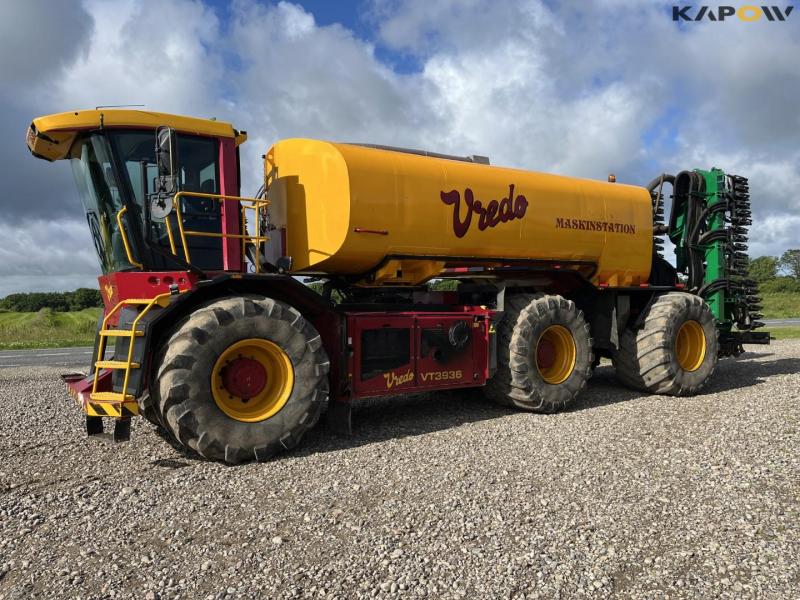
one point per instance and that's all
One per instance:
(50, 137)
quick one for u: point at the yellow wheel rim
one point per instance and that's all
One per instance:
(690, 346)
(555, 354)
(252, 380)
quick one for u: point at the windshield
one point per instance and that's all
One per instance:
(103, 190)
(100, 194)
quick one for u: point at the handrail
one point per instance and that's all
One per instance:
(157, 300)
(125, 243)
(161, 299)
(256, 205)
(170, 236)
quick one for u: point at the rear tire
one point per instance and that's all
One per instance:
(523, 378)
(188, 402)
(675, 351)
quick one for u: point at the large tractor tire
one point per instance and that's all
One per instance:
(674, 352)
(544, 354)
(149, 410)
(241, 379)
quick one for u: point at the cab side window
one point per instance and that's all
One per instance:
(198, 173)
(198, 158)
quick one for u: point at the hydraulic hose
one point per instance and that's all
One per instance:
(659, 181)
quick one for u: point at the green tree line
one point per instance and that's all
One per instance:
(777, 274)
(56, 301)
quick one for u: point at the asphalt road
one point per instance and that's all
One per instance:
(781, 322)
(77, 358)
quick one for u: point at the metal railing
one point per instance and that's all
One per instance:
(120, 399)
(258, 238)
(124, 237)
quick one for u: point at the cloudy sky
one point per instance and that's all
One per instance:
(573, 87)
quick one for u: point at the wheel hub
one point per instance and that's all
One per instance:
(556, 354)
(545, 354)
(244, 377)
(690, 346)
(252, 380)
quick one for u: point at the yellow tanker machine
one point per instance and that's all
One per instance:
(216, 341)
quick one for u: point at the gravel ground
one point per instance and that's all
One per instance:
(439, 496)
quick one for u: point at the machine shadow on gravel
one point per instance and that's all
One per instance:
(381, 419)
(170, 463)
(387, 418)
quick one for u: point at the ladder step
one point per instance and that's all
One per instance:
(121, 333)
(110, 397)
(111, 409)
(115, 364)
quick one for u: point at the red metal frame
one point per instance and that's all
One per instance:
(424, 371)
(232, 259)
(79, 386)
(122, 285)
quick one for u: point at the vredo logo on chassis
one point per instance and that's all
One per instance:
(748, 13)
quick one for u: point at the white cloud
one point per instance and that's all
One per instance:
(299, 79)
(159, 53)
(520, 119)
(774, 233)
(46, 255)
(34, 42)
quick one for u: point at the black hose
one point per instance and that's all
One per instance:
(658, 227)
(694, 221)
(660, 180)
(714, 286)
(713, 236)
(707, 211)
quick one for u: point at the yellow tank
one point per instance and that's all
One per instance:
(345, 209)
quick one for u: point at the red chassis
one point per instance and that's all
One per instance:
(372, 352)
(401, 352)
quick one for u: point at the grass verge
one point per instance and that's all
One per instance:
(780, 305)
(784, 333)
(47, 329)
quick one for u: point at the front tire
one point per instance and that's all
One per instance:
(544, 354)
(241, 379)
(675, 351)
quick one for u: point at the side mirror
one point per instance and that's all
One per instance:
(167, 180)
(160, 207)
(167, 160)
